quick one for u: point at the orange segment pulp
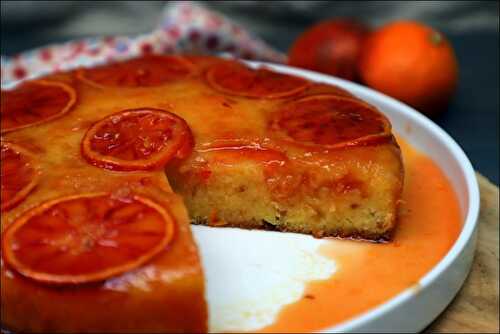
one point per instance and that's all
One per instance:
(137, 139)
(35, 102)
(153, 70)
(86, 238)
(234, 78)
(18, 175)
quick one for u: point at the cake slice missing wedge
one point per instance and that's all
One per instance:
(275, 152)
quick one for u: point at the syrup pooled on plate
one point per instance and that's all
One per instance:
(370, 274)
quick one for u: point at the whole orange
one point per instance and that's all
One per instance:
(331, 47)
(410, 62)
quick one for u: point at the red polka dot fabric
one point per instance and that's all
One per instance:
(185, 27)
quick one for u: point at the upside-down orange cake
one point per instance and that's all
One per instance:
(100, 164)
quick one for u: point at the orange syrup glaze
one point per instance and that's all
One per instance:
(369, 274)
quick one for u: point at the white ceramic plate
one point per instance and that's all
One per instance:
(251, 275)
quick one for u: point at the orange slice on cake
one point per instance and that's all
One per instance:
(18, 175)
(330, 121)
(153, 70)
(137, 139)
(235, 78)
(86, 238)
(34, 102)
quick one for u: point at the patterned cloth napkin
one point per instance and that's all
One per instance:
(184, 27)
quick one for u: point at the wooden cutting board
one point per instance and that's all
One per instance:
(475, 308)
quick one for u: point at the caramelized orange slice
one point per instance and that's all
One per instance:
(324, 89)
(330, 121)
(35, 102)
(137, 139)
(86, 238)
(153, 70)
(237, 79)
(19, 175)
